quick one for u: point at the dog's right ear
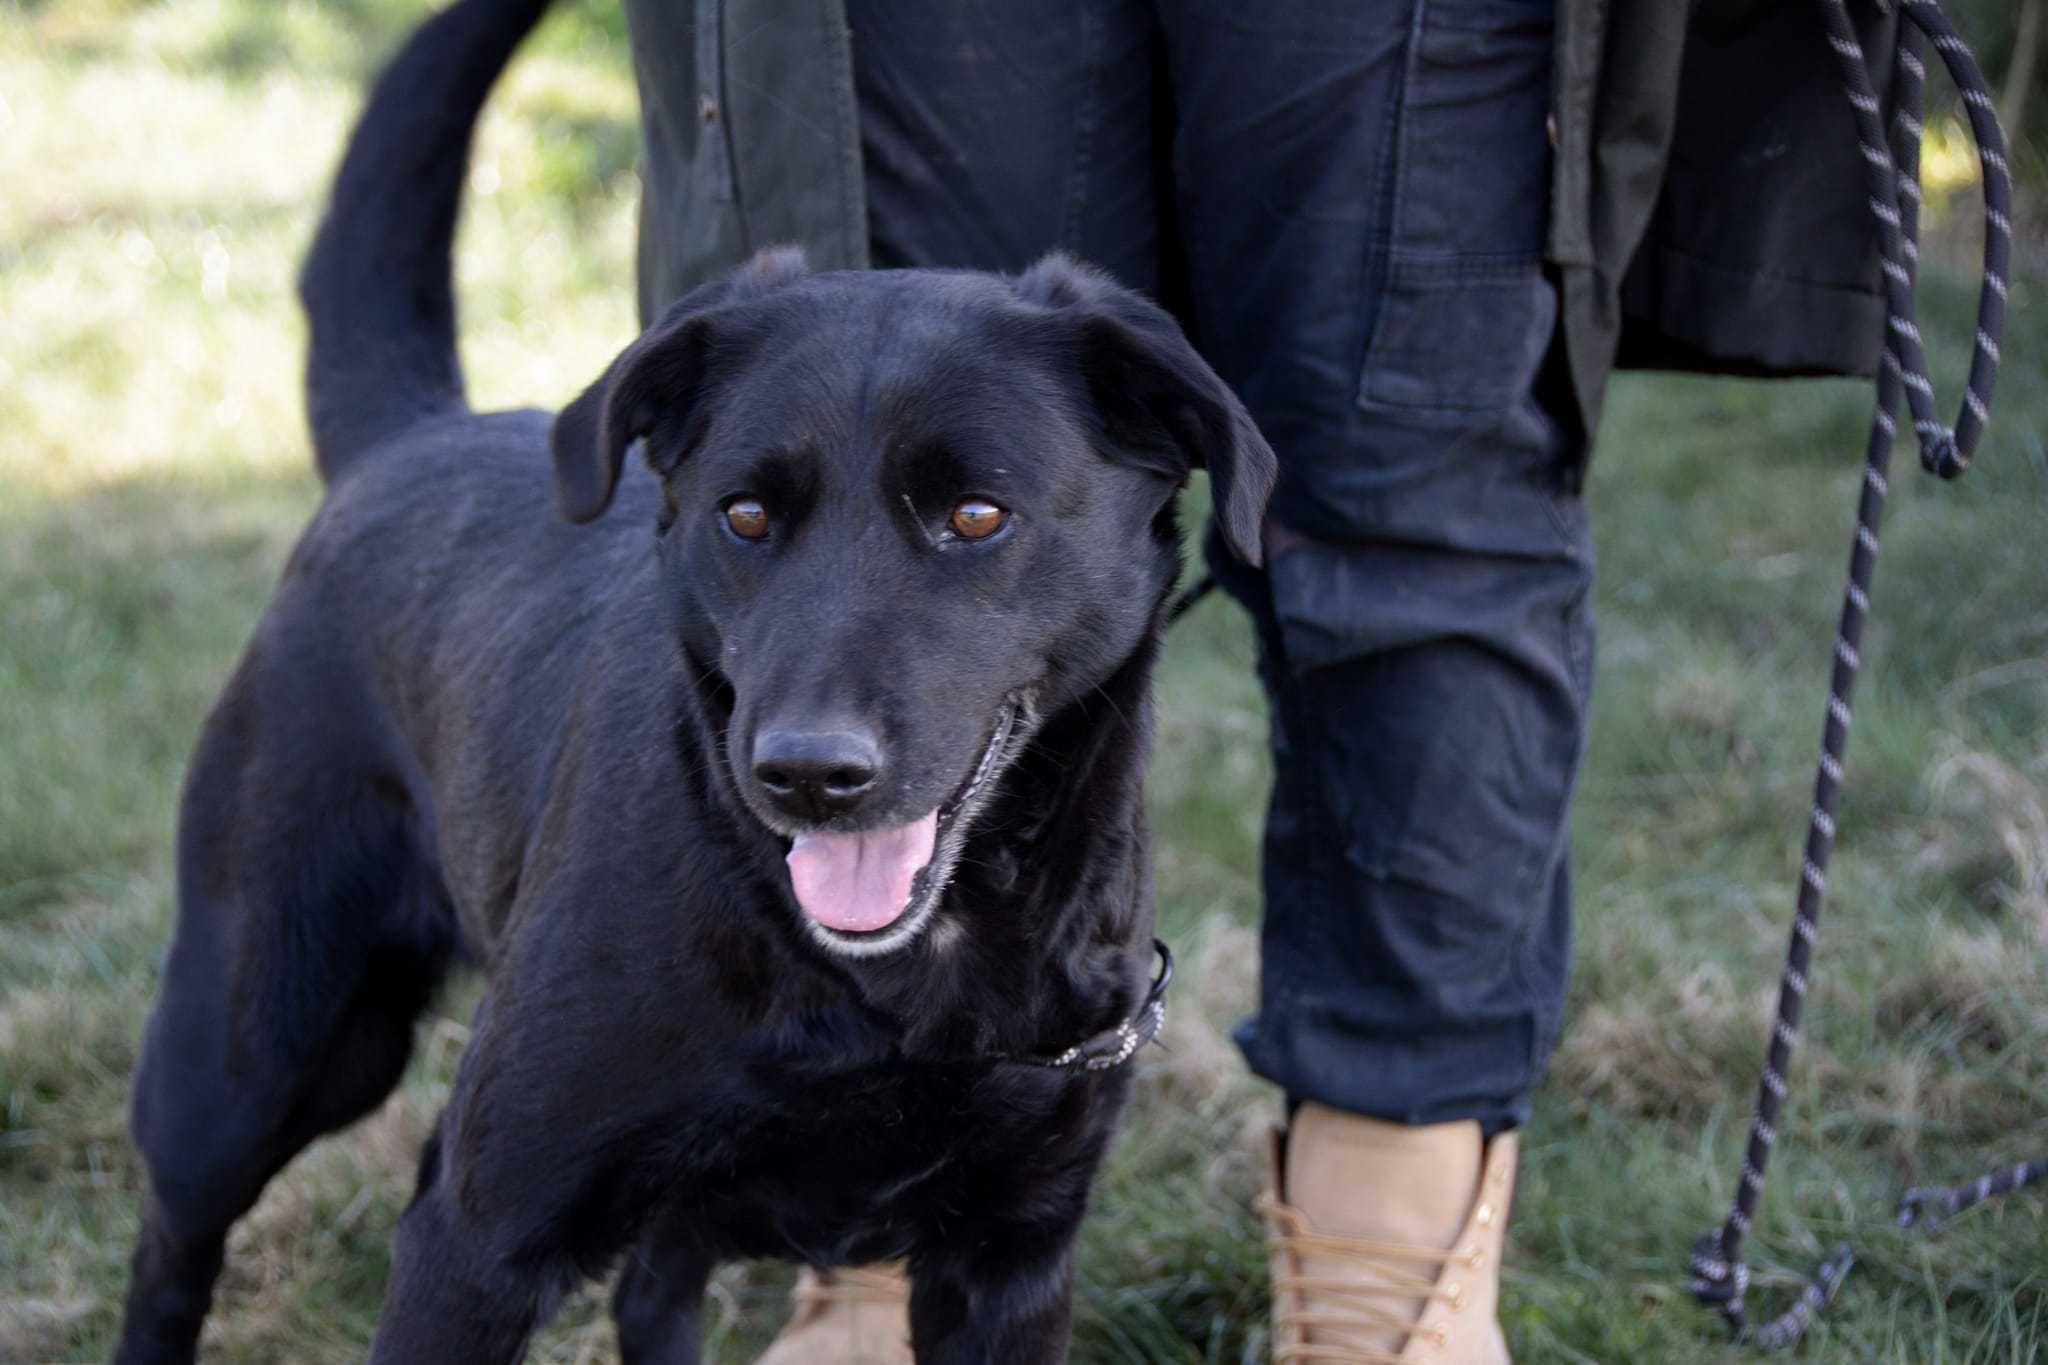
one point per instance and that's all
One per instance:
(657, 376)
(1162, 407)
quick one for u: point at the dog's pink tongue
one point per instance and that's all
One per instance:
(858, 882)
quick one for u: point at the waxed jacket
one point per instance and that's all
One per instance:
(1708, 209)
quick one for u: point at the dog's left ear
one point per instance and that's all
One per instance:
(660, 375)
(1162, 407)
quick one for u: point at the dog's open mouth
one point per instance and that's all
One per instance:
(872, 889)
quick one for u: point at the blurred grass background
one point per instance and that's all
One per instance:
(162, 166)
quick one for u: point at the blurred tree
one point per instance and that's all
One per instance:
(2006, 35)
(2019, 71)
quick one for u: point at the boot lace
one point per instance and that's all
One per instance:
(1339, 1309)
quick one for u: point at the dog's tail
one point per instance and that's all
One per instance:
(377, 286)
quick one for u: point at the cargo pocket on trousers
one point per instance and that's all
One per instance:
(1457, 338)
(1463, 314)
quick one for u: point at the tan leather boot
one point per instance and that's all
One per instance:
(857, 1316)
(1386, 1240)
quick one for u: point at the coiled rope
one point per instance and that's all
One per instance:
(1720, 1277)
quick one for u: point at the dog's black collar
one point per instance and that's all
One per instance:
(1114, 1046)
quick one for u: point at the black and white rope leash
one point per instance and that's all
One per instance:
(1720, 1277)
(1928, 1206)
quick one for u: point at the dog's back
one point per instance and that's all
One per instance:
(436, 576)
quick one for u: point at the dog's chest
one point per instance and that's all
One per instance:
(866, 1167)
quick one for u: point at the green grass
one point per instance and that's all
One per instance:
(163, 164)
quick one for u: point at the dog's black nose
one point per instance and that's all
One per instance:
(817, 774)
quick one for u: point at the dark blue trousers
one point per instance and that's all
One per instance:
(1345, 203)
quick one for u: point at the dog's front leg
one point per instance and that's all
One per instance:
(990, 1306)
(659, 1299)
(451, 1296)
(535, 1178)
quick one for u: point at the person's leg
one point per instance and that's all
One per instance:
(1363, 201)
(991, 134)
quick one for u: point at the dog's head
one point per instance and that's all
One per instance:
(904, 516)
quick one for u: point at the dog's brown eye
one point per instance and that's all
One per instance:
(748, 519)
(977, 520)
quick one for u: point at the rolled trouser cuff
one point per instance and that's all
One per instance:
(1428, 707)
(1419, 1050)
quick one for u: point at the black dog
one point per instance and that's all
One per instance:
(793, 808)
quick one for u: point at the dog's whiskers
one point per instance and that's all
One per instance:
(918, 522)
